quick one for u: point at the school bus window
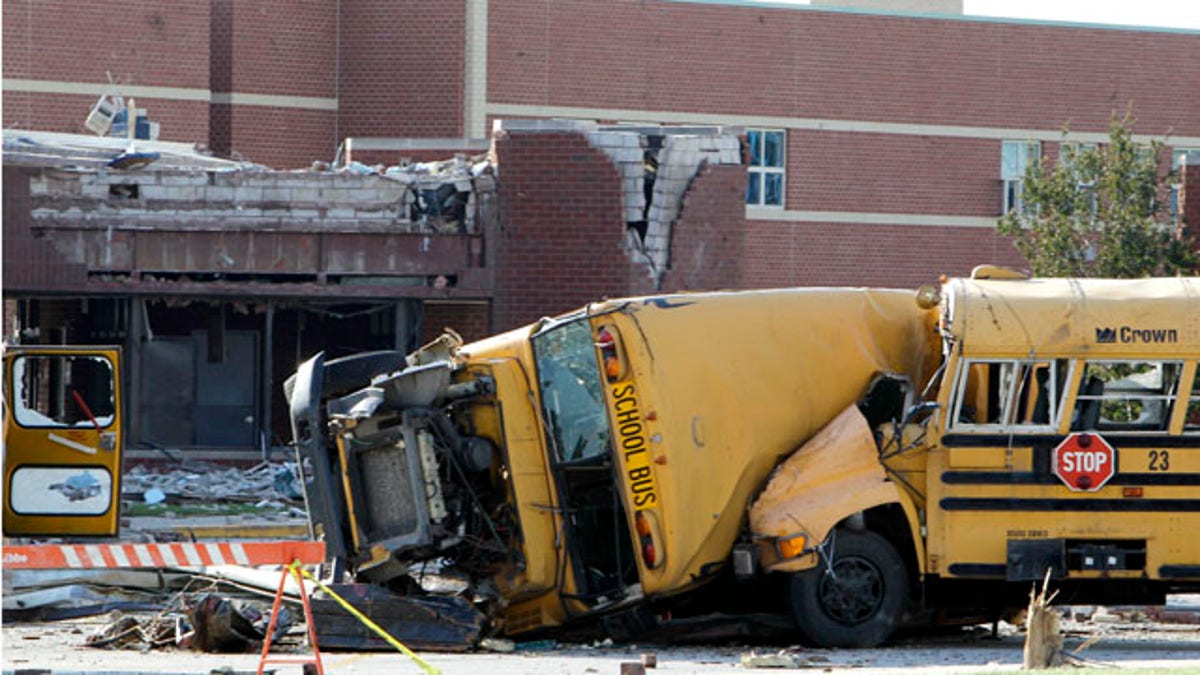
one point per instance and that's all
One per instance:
(1010, 393)
(572, 396)
(63, 391)
(1192, 419)
(1126, 395)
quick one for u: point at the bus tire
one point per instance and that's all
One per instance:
(856, 600)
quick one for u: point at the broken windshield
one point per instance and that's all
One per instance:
(572, 397)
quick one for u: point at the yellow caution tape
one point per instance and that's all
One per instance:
(367, 622)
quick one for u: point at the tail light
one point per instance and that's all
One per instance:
(610, 353)
(645, 528)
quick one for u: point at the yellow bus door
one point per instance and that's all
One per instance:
(62, 440)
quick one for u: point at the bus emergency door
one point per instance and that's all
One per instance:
(62, 441)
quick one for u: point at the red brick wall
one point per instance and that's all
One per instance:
(402, 67)
(282, 138)
(1189, 199)
(468, 320)
(30, 264)
(707, 238)
(886, 173)
(142, 43)
(280, 48)
(285, 47)
(562, 227)
(890, 256)
(683, 56)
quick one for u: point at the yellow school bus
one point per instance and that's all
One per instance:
(595, 463)
(1061, 436)
(851, 456)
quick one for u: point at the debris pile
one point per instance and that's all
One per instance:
(205, 622)
(267, 484)
(442, 196)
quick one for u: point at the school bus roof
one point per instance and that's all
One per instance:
(1104, 317)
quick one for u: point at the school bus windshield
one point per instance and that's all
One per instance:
(598, 540)
(572, 396)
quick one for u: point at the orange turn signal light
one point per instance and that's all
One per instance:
(793, 546)
(641, 524)
(612, 367)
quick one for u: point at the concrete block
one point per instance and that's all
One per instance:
(247, 194)
(305, 195)
(218, 193)
(340, 212)
(225, 178)
(181, 179)
(188, 193)
(276, 194)
(156, 192)
(94, 189)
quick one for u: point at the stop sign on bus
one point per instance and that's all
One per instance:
(1084, 462)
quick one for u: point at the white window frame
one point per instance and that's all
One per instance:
(1009, 389)
(758, 172)
(1167, 399)
(1012, 171)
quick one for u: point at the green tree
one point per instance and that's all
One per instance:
(1100, 212)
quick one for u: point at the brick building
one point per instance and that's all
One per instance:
(881, 148)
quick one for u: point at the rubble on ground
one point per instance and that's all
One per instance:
(266, 482)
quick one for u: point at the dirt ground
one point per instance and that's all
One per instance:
(59, 647)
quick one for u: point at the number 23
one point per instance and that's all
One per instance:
(1159, 460)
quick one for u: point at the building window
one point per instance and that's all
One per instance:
(1015, 157)
(765, 187)
(1179, 157)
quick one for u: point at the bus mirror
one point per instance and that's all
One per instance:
(919, 410)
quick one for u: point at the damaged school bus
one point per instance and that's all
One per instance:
(859, 454)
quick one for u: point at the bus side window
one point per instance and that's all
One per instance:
(1087, 404)
(1192, 419)
(1009, 393)
(978, 395)
(1127, 396)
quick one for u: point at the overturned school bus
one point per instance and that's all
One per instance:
(857, 453)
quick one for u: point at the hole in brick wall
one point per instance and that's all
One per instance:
(123, 192)
(653, 144)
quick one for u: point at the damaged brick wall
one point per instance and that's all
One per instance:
(562, 227)
(336, 232)
(707, 247)
(566, 197)
(30, 263)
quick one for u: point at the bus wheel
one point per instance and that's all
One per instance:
(858, 599)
